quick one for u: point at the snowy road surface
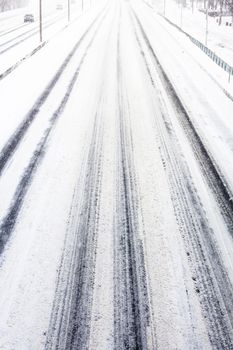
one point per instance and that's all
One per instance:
(116, 211)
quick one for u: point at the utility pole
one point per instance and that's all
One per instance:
(164, 8)
(181, 13)
(206, 24)
(40, 19)
(68, 10)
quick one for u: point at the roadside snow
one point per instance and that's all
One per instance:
(219, 38)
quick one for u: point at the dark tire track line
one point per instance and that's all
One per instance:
(211, 279)
(211, 172)
(70, 323)
(8, 223)
(71, 315)
(132, 307)
(14, 141)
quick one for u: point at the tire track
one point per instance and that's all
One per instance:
(209, 275)
(132, 305)
(14, 141)
(13, 29)
(8, 223)
(71, 315)
(211, 172)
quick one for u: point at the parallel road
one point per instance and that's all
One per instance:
(20, 40)
(20, 36)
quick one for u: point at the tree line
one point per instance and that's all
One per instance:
(216, 8)
(6, 5)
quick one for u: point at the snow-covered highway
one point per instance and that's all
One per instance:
(116, 187)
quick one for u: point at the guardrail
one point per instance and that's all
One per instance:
(221, 63)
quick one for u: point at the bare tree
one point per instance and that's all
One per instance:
(3, 5)
(229, 4)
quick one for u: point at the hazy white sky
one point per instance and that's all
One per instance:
(46, 4)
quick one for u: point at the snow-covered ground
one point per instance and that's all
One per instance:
(190, 69)
(219, 38)
(116, 214)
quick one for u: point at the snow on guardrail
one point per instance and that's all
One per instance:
(220, 62)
